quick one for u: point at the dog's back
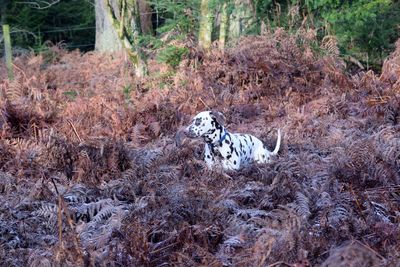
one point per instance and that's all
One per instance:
(250, 148)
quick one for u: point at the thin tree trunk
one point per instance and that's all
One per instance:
(8, 52)
(234, 22)
(241, 18)
(223, 26)
(132, 32)
(205, 29)
(145, 12)
(249, 17)
(3, 12)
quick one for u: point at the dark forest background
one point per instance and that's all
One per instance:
(366, 30)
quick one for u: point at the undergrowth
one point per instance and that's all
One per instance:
(95, 177)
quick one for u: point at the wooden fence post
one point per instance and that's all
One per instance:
(7, 48)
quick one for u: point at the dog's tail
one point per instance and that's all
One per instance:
(278, 143)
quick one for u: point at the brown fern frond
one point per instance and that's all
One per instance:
(330, 44)
(15, 90)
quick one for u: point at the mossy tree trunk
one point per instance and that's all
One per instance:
(206, 22)
(8, 52)
(121, 21)
(223, 26)
(106, 34)
(241, 19)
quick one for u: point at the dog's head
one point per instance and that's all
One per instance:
(205, 123)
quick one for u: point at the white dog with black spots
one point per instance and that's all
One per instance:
(232, 149)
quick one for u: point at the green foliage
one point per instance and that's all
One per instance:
(150, 41)
(71, 94)
(69, 21)
(172, 55)
(365, 26)
(180, 16)
(127, 91)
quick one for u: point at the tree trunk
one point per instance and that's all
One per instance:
(145, 12)
(106, 35)
(223, 26)
(234, 22)
(122, 21)
(3, 9)
(241, 18)
(205, 29)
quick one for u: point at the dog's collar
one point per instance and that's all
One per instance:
(222, 138)
(220, 141)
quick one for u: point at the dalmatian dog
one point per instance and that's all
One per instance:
(234, 150)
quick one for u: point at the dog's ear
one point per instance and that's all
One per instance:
(219, 117)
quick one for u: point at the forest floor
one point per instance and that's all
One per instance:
(91, 173)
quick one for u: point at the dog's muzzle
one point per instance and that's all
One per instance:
(190, 132)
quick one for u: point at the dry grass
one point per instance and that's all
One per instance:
(91, 175)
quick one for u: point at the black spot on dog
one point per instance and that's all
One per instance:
(227, 141)
(234, 162)
(198, 122)
(208, 156)
(229, 156)
(263, 156)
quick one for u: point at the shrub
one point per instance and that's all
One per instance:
(172, 55)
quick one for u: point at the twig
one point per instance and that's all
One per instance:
(369, 248)
(357, 203)
(59, 220)
(75, 236)
(201, 100)
(55, 186)
(212, 91)
(163, 248)
(279, 262)
(40, 4)
(107, 106)
(74, 129)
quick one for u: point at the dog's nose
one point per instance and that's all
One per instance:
(179, 137)
(189, 131)
(186, 130)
